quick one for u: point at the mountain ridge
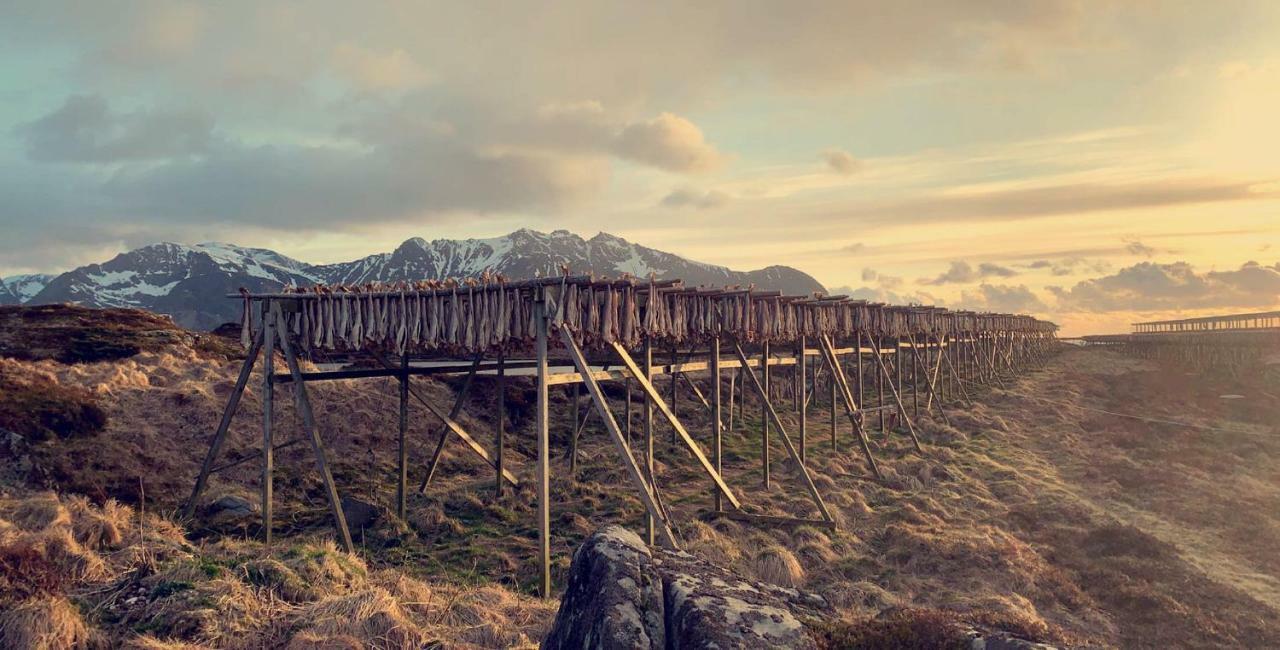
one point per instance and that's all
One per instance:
(187, 281)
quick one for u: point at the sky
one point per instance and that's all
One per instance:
(1095, 163)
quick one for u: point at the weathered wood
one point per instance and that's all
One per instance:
(884, 372)
(838, 381)
(786, 440)
(929, 384)
(402, 448)
(671, 418)
(313, 435)
(766, 405)
(543, 434)
(648, 437)
(802, 404)
(458, 402)
(717, 427)
(268, 413)
(602, 408)
(220, 435)
(453, 426)
(501, 442)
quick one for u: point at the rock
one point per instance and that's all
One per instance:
(231, 509)
(1004, 641)
(624, 594)
(360, 514)
(614, 596)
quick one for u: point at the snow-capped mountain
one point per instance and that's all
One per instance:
(17, 289)
(188, 282)
(526, 253)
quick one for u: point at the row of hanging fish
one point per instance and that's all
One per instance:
(480, 316)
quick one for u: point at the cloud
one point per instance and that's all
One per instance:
(841, 162)
(961, 272)
(1069, 265)
(685, 197)
(1135, 247)
(869, 275)
(669, 142)
(1055, 200)
(1002, 298)
(1149, 286)
(886, 295)
(395, 69)
(85, 130)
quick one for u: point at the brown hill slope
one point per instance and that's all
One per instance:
(1068, 525)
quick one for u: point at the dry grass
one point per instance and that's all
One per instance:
(1014, 511)
(50, 623)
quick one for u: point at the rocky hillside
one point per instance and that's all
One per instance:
(188, 282)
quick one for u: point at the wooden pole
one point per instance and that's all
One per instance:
(648, 435)
(884, 372)
(220, 435)
(574, 392)
(268, 412)
(764, 412)
(716, 421)
(402, 464)
(835, 417)
(544, 447)
(827, 348)
(309, 423)
(681, 432)
(501, 443)
(782, 432)
(453, 415)
(801, 403)
(602, 407)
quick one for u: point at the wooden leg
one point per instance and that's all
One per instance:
(574, 393)
(764, 413)
(544, 450)
(268, 412)
(716, 427)
(676, 426)
(782, 433)
(884, 372)
(801, 406)
(827, 347)
(444, 431)
(402, 458)
(602, 407)
(309, 423)
(648, 436)
(220, 436)
(501, 445)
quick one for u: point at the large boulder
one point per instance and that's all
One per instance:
(623, 594)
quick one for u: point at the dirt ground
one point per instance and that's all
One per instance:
(1034, 512)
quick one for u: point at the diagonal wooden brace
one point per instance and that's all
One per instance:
(647, 494)
(656, 399)
(786, 440)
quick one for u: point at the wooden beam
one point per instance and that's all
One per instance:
(851, 406)
(459, 400)
(309, 424)
(542, 432)
(786, 440)
(901, 409)
(647, 492)
(402, 456)
(455, 428)
(268, 412)
(656, 400)
(220, 435)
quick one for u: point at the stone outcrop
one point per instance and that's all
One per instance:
(623, 594)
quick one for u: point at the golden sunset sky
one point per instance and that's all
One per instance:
(1094, 163)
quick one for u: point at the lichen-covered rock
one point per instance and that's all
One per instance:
(623, 594)
(614, 596)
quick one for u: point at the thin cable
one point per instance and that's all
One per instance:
(1144, 418)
